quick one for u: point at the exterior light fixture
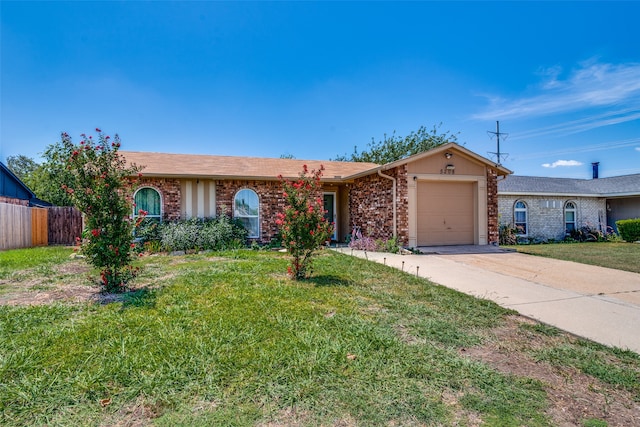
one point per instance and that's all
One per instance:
(448, 155)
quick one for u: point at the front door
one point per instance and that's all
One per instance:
(330, 212)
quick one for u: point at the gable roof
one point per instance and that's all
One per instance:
(12, 186)
(232, 167)
(501, 170)
(258, 168)
(616, 186)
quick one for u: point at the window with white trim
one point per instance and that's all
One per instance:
(246, 208)
(148, 199)
(569, 217)
(520, 217)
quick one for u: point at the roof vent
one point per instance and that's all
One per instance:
(595, 165)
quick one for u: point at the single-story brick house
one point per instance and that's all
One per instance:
(444, 196)
(549, 208)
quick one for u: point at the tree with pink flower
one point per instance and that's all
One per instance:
(98, 182)
(303, 227)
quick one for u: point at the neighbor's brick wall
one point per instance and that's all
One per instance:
(492, 207)
(169, 189)
(13, 201)
(371, 205)
(546, 219)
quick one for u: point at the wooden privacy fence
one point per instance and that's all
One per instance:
(24, 227)
(15, 226)
(65, 224)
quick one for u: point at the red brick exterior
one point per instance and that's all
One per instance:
(371, 205)
(269, 195)
(14, 201)
(169, 189)
(492, 207)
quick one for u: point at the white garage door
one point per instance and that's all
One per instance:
(445, 213)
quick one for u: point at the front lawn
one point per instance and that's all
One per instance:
(228, 339)
(621, 256)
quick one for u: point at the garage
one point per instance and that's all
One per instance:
(445, 213)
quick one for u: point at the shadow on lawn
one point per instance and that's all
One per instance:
(329, 280)
(143, 297)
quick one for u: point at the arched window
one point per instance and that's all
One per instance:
(246, 208)
(520, 217)
(148, 199)
(569, 217)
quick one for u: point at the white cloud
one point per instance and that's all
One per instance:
(637, 148)
(591, 85)
(562, 163)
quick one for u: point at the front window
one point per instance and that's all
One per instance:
(148, 199)
(570, 217)
(520, 217)
(246, 208)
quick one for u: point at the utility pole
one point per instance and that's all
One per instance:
(497, 133)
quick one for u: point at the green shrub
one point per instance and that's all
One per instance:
(629, 229)
(202, 234)
(508, 235)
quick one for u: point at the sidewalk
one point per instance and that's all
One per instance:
(597, 303)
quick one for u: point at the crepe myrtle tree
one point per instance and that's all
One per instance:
(303, 226)
(98, 181)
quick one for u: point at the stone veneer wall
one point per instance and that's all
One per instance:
(545, 215)
(13, 201)
(169, 189)
(492, 208)
(371, 205)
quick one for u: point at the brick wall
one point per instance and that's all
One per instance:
(545, 215)
(269, 195)
(371, 205)
(169, 189)
(13, 201)
(492, 207)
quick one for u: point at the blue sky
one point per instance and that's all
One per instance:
(315, 79)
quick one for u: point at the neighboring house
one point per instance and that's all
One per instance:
(550, 208)
(15, 192)
(445, 196)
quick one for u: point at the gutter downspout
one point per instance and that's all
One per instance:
(395, 204)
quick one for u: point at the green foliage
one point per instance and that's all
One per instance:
(22, 166)
(508, 234)
(629, 229)
(202, 234)
(394, 147)
(45, 179)
(303, 227)
(587, 233)
(98, 182)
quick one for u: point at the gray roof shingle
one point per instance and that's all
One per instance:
(603, 187)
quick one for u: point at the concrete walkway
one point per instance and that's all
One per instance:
(597, 303)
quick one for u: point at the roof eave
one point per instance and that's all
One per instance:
(546, 194)
(234, 177)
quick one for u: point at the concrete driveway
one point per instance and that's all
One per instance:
(597, 303)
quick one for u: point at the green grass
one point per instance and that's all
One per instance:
(230, 340)
(620, 256)
(42, 258)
